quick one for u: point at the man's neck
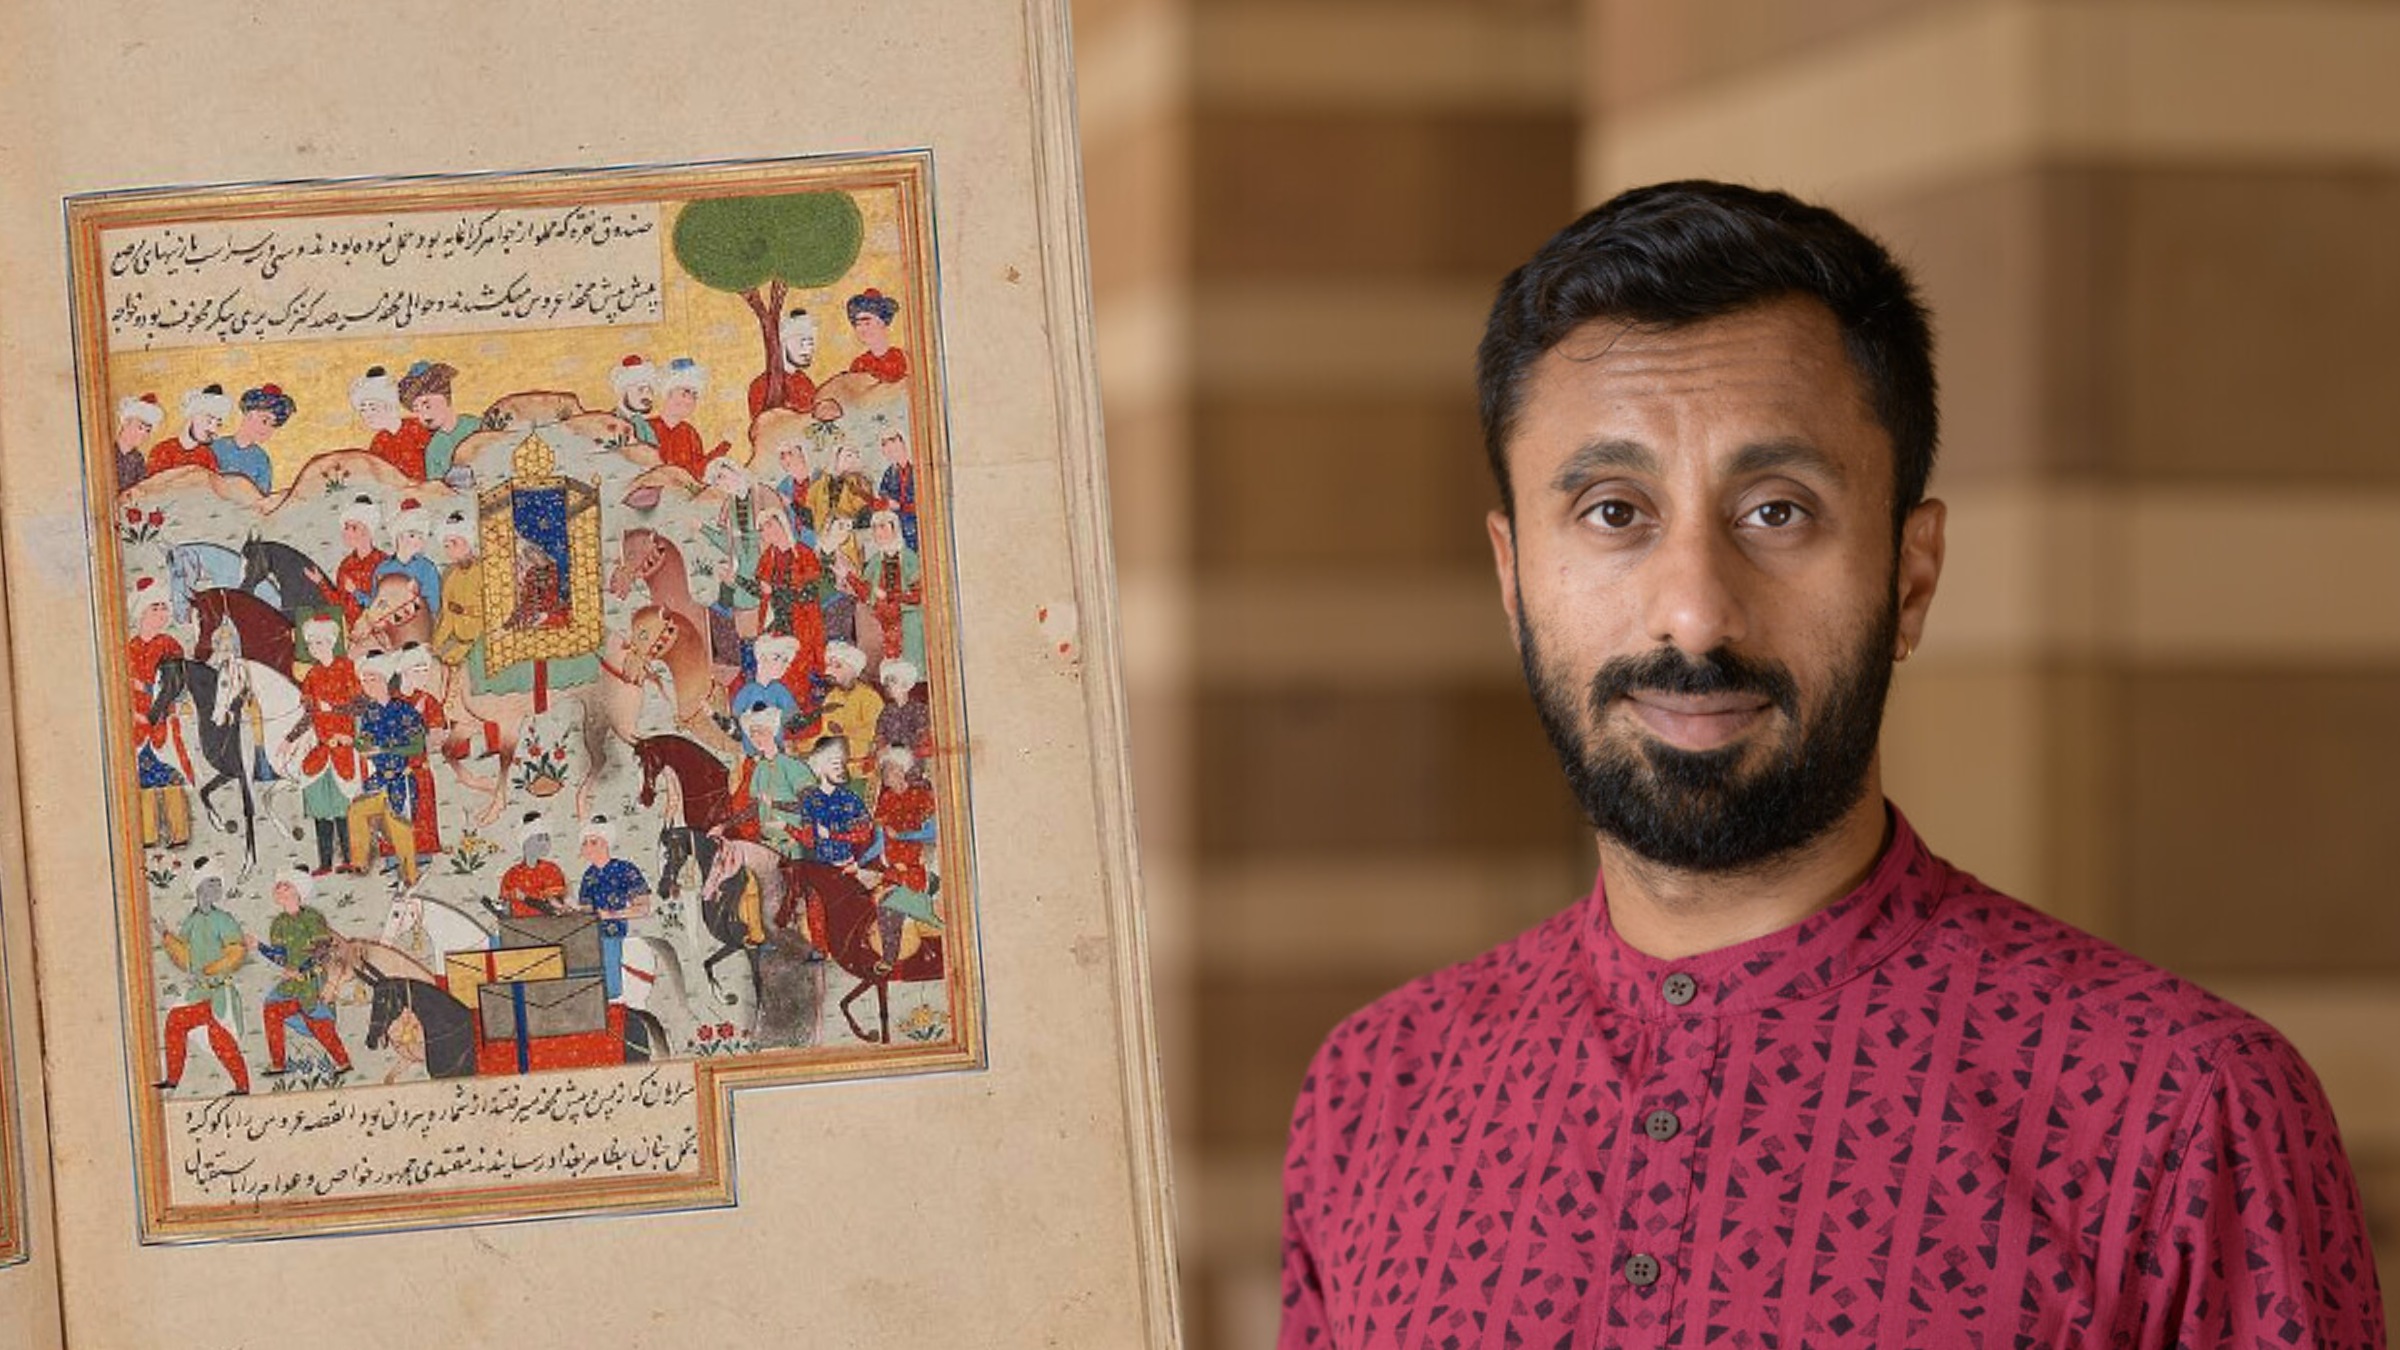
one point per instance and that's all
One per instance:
(1671, 914)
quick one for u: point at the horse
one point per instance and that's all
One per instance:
(449, 1025)
(657, 633)
(284, 577)
(266, 635)
(702, 791)
(787, 970)
(395, 617)
(653, 978)
(646, 556)
(842, 921)
(224, 743)
(421, 923)
(199, 566)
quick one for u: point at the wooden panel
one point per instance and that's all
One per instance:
(1326, 195)
(1261, 1035)
(1332, 769)
(1342, 481)
(1137, 202)
(2254, 333)
(1640, 50)
(2260, 820)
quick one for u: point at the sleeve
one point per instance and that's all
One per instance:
(2265, 1240)
(1305, 1324)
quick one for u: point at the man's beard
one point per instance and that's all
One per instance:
(1695, 810)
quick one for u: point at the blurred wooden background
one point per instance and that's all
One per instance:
(2160, 694)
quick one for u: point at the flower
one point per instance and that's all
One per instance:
(158, 517)
(708, 1033)
(725, 1029)
(133, 515)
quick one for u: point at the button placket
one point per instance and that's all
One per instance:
(1653, 1239)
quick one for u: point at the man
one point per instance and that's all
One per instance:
(635, 381)
(209, 946)
(769, 782)
(459, 627)
(1785, 1077)
(354, 577)
(398, 440)
(799, 333)
(204, 411)
(329, 772)
(834, 824)
(905, 911)
(243, 454)
(413, 666)
(425, 392)
(391, 734)
(137, 421)
(892, 585)
(162, 762)
(870, 313)
(615, 891)
(853, 705)
(769, 685)
(896, 491)
(533, 886)
(412, 529)
(297, 943)
(678, 441)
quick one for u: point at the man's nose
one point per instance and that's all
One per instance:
(1693, 590)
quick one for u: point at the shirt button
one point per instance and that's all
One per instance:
(1641, 1271)
(1679, 989)
(1661, 1125)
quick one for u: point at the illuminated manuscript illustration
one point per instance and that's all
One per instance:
(528, 625)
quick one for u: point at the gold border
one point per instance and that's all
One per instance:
(907, 173)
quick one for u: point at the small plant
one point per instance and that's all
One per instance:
(160, 876)
(469, 855)
(924, 1024)
(541, 772)
(139, 526)
(722, 1039)
(336, 479)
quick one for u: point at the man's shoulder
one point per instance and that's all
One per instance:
(2018, 950)
(1423, 1018)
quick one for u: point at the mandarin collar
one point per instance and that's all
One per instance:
(1846, 938)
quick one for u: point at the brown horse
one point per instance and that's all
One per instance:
(397, 616)
(842, 921)
(651, 559)
(265, 634)
(657, 633)
(703, 789)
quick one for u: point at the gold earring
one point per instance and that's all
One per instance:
(1908, 648)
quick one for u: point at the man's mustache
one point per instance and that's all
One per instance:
(1668, 671)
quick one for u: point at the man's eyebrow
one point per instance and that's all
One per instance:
(1773, 456)
(1597, 459)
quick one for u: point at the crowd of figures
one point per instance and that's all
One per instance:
(757, 704)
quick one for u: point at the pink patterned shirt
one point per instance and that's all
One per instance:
(1927, 1116)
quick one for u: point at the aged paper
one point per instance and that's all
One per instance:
(1019, 1203)
(584, 694)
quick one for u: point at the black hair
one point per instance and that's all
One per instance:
(1679, 253)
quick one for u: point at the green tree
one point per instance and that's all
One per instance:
(760, 247)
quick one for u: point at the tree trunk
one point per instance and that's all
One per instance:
(769, 310)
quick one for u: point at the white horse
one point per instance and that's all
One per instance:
(429, 929)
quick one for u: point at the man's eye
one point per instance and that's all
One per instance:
(1616, 515)
(1775, 515)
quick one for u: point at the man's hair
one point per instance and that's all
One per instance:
(1674, 254)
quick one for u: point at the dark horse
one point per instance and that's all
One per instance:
(449, 1026)
(221, 739)
(298, 579)
(706, 788)
(842, 923)
(450, 1030)
(266, 635)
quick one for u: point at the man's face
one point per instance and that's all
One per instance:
(679, 403)
(873, 334)
(287, 897)
(131, 432)
(432, 408)
(638, 398)
(765, 729)
(256, 425)
(828, 765)
(203, 427)
(379, 414)
(595, 850)
(319, 639)
(357, 537)
(1701, 577)
(799, 344)
(456, 549)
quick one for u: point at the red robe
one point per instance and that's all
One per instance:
(904, 809)
(526, 889)
(172, 453)
(680, 446)
(144, 655)
(426, 819)
(329, 690)
(889, 368)
(799, 393)
(403, 449)
(356, 575)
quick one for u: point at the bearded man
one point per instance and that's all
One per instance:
(1785, 1076)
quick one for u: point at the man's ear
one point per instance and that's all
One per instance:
(1504, 562)
(1920, 569)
